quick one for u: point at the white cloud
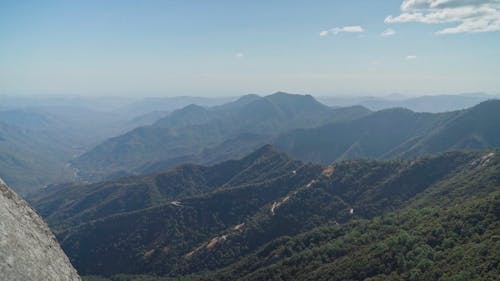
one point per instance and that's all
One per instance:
(324, 33)
(239, 55)
(343, 29)
(388, 32)
(466, 16)
(411, 57)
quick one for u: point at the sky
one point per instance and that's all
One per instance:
(221, 48)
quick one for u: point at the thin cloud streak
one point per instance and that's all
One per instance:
(343, 29)
(388, 32)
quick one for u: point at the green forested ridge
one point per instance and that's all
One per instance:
(450, 231)
(296, 124)
(396, 133)
(208, 135)
(72, 204)
(369, 188)
(457, 243)
(153, 239)
(474, 128)
(433, 218)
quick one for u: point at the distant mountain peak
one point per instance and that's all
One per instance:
(263, 151)
(282, 93)
(395, 110)
(194, 128)
(185, 114)
(492, 103)
(288, 95)
(188, 109)
(248, 97)
(296, 100)
(267, 148)
(193, 107)
(242, 101)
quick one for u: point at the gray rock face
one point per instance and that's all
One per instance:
(28, 249)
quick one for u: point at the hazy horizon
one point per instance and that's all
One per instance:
(224, 48)
(387, 96)
(249, 140)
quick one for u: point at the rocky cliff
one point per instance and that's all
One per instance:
(28, 249)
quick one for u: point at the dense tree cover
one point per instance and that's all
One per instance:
(155, 239)
(449, 231)
(368, 188)
(459, 243)
(65, 205)
(208, 135)
(434, 218)
(396, 133)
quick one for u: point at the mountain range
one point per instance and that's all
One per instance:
(267, 217)
(36, 143)
(428, 103)
(39, 135)
(55, 140)
(207, 135)
(298, 125)
(280, 187)
(397, 133)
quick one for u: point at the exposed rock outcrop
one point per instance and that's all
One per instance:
(28, 249)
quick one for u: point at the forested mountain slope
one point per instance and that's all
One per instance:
(449, 231)
(181, 224)
(208, 135)
(396, 133)
(353, 219)
(71, 204)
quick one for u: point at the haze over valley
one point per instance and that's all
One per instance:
(259, 140)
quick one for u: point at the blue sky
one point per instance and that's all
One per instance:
(217, 48)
